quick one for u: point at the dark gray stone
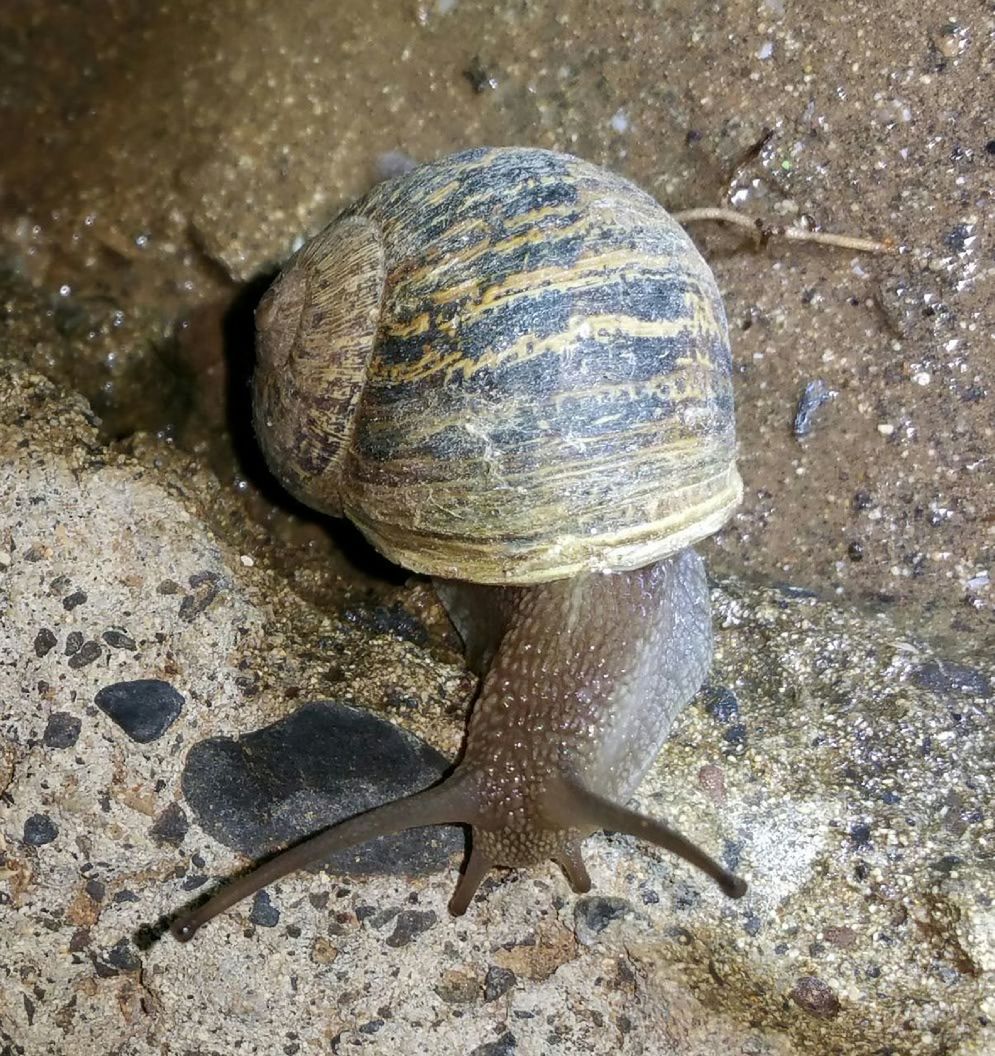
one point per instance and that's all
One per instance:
(263, 912)
(395, 620)
(45, 641)
(118, 639)
(123, 956)
(322, 764)
(504, 1046)
(497, 982)
(410, 924)
(593, 914)
(814, 395)
(39, 829)
(171, 825)
(720, 702)
(736, 735)
(144, 709)
(86, 654)
(61, 730)
(74, 600)
(205, 591)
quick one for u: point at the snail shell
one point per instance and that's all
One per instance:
(509, 366)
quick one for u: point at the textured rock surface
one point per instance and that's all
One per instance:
(844, 769)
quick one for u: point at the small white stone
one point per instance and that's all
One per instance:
(921, 378)
(247, 561)
(886, 428)
(620, 121)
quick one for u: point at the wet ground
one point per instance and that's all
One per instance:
(166, 158)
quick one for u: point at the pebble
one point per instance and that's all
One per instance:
(860, 835)
(61, 730)
(394, 620)
(593, 914)
(263, 912)
(323, 763)
(720, 703)
(58, 585)
(144, 709)
(86, 654)
(712, 781)
(815, 997)
(118, 639)
(497, 982)
(410, 924)
(752, 925)
(504, 1046)
(74, 600)
(123, 957)
(45, 641)
(814, 395)
(171, 826)
(39, 829)
(736, 735)
(192, 605)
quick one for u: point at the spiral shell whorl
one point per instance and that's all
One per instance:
(317, 327)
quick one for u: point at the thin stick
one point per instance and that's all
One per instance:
(795, 234)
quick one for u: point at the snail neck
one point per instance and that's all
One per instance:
(581, 679)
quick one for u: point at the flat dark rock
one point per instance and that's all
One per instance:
(326, 762)
(144, 709)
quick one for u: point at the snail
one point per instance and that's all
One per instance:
(510, 369)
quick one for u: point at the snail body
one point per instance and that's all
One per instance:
(510, 369)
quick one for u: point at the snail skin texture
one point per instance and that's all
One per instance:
(511, 370)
